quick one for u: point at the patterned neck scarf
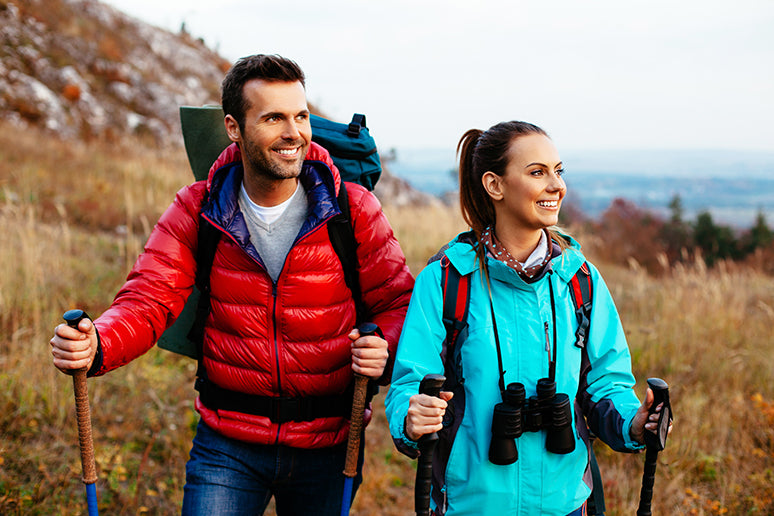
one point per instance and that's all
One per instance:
(498, 251)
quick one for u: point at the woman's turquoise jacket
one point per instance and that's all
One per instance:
(539, 482)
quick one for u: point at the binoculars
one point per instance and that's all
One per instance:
(547, 411)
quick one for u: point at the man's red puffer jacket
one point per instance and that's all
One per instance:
(284, 339)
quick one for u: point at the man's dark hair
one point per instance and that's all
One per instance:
(272, 68)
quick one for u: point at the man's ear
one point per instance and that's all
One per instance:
(232, 129)
(492, 185)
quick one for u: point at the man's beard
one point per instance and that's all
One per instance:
(273, 169)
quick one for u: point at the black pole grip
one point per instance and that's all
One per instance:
(654, 442)
(648, 477)
(430, 385)
(660, 395)
(73, 317)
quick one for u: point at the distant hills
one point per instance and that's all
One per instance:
(734, 186)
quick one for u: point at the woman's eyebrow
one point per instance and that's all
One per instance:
(534, 163)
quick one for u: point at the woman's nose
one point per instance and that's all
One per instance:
(557, 183)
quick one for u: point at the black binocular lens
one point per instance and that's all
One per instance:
(546, 389)
(559, 437)
(506, 426)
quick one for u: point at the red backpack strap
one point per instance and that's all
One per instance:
(456, 301)
(581, 291)
(456, 298)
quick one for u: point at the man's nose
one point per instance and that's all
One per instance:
(291, 130)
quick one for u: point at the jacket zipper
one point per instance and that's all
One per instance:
(276, 350)
(548, 342)
(276, 339)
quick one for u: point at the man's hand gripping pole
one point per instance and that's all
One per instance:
(83, 413)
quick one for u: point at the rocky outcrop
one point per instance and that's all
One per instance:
(82, 69)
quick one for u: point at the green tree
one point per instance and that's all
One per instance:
(676, 234)
(676, 210)
(758, 237)
(716, 242)
(761, 235)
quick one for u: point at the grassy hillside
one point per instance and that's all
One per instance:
(73, 219)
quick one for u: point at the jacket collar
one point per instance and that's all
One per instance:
(222, 208)
(462, 255)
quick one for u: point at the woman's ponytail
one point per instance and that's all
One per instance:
(471, 189)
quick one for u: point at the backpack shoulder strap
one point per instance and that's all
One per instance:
(455, 288)
(581, 291)
(456, 300)
(342, 236)
(207, 243)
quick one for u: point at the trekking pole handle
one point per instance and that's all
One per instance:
(431, 385)
(654, 442)
(82, 410)
(358, 408)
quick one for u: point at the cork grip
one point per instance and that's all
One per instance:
(82, 410)
(356, 426)
(83, 414)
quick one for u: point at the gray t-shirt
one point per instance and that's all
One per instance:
(274, 240)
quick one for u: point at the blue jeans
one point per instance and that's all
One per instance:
(227, 477)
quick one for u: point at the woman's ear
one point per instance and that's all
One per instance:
(232, 129)
(492, 185)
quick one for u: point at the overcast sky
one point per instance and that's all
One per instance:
(595, 74)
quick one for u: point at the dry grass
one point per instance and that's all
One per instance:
(705, 332)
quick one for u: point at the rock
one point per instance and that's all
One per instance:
(82, 69)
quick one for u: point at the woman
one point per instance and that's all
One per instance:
(521, 330)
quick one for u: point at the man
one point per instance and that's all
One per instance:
(279, 346)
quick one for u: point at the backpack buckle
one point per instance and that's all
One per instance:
(284, 409)
(583, 328)
(356, 125)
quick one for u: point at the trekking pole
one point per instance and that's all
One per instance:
(431, 385)
(654, 442)
(355, 427)
(83, 413)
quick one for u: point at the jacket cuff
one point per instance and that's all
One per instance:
(630, 443)
(403, 443)
(405, 439)
(96, 365)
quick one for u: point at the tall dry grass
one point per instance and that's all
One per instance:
(707, 333)
(73, 217)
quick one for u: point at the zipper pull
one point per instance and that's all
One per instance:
(548, 340)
